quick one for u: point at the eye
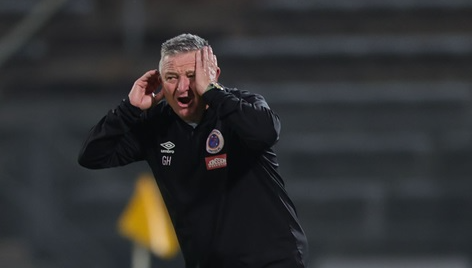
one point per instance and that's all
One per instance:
(191, 75)
(171, 78)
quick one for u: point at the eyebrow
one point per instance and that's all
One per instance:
(170, 73)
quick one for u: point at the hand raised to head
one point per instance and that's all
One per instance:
(206, 69)
(142, 93)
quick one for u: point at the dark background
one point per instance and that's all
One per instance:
(374, 97)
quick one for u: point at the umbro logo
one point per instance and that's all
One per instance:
(168, 146)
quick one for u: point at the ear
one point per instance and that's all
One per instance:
(218, 72)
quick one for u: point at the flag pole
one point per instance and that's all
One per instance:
(140, 257)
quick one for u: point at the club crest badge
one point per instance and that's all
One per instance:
(215, 142)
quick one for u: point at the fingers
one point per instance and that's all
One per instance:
(158, 96)
(210, 58)
(206, 68)
(206, 58)
(141, 95)
(147, 82)
(209, 63)
(151, 80)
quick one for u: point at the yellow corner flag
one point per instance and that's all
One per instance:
(146, 221)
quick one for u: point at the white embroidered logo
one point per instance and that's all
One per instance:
(167, 147)
(166, 160)
(217, 161)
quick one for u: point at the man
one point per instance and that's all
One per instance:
(209, 148)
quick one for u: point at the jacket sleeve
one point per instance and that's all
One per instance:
(112, 142)
(248, 114)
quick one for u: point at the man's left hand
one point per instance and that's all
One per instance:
(206, 69)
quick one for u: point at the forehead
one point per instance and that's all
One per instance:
(179, 62)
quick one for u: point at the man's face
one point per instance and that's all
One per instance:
(178, 82)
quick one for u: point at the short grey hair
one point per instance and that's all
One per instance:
(181, 44)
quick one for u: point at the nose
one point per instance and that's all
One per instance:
(183, 84)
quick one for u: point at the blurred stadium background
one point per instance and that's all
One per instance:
(374, 96)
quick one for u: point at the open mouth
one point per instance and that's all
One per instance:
(184, 100)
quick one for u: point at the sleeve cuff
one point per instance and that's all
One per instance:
(128, 112)
(221, 100)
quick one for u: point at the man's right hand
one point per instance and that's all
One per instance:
(141, 95)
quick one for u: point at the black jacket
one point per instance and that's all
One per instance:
(219, 180)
